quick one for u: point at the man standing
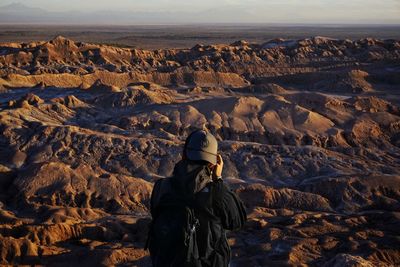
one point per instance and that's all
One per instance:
(192, 210)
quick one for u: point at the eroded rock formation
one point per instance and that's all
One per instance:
(308, 129)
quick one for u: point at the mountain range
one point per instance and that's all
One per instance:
(17, 13)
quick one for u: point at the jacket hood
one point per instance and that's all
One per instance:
(190, 177)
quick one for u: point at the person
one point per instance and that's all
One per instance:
(192, 210)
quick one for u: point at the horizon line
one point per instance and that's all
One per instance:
(278, 24)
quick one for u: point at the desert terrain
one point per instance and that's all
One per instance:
(309, 130)
(186, 35)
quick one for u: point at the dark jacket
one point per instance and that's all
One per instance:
(217, 208)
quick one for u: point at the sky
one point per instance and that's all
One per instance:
(257, 11)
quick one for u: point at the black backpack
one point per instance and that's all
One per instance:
(172, 234)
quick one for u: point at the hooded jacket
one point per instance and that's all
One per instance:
(217, 208)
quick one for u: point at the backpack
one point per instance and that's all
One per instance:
(172, 233)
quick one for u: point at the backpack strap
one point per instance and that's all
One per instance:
(216, 198)
(190, 242)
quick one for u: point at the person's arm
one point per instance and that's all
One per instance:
(161, 187)
(228, 207)
(154, 197)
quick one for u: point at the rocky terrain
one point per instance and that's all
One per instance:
(309, 131)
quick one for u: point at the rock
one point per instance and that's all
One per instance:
(346, 260)
(257, 195)
(58, 184)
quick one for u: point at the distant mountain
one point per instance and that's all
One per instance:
(18, 7)
(20, 13)
(17, 13)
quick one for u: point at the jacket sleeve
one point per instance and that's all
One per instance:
(160, 188)
(154, 199)
(229, 208)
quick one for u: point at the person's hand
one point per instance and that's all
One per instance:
(218, 168)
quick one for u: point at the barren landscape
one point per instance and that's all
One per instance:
(309, 130)
(187, 35)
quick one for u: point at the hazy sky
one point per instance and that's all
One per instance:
(279, 11)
